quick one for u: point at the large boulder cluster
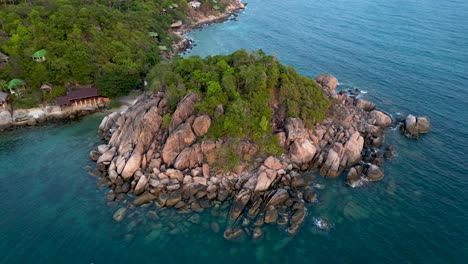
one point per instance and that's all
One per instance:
(169, 164)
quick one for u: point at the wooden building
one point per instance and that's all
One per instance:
(80, 98)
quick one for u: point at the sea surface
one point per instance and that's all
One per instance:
(408, 56)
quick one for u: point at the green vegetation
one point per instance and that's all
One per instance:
(85, 41)
(252, 88)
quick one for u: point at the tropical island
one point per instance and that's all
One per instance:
(241, 127)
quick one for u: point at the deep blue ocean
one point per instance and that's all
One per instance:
(409, 56)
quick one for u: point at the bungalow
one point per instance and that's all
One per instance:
(15, 84)
(39, 55)
(194, 4)
(82, 97)
(3, 98)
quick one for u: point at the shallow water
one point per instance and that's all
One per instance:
(410, 57)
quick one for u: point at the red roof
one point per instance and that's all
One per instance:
(62, 100)
(77, 95)
(82, 94)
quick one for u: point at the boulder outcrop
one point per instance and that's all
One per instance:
(172, 165)
(413, 126)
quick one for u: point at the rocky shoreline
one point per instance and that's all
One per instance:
(185, 43)
(38, 115)
(169, 166)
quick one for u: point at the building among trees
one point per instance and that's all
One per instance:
(80, 98)
(194, 4)
(39, 55)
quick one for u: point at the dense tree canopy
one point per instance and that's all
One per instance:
(253, 89)
(85, 40)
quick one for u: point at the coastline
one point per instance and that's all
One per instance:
(185, 43)
(41, 114)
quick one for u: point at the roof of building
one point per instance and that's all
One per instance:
(82, 94)
(163, 48)
(3, 56)
(15, 83)
(153, 34)
(77, 95)
(216, 7)
(39, 53)
(3, 96)
(62, 100)
(46, 86)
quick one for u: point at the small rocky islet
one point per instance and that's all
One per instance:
(149, 163)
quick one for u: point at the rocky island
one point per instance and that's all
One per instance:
(241, 130)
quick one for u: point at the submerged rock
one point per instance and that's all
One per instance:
(120, 214)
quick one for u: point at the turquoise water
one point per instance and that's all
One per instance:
(410, 57)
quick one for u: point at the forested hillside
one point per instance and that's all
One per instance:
(255, 92)
(108, 42)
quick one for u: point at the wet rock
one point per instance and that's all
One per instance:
(233, 234)
(293, 229)
(222, 195)
(94, 155)
(162, 198)
(374, 173)
(297, 217)
(103, 148)
(279, 197)
(140, 187)
(388, 155)
(125, 187)
(111, 195)
(144, 198)
(173, 198)
(255, 208)
(180, 204)
(309, 195)
(257, 233)
(380, 119)
(107, 156)
(413, 126)
(271, 215)
(353, 178)
(215, 227)
(120, 214)
(238, 205)
(282, 220)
